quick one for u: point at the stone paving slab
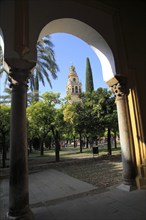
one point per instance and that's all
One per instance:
(45, 186)
(58, 196)
(111, 205)
(51, 184)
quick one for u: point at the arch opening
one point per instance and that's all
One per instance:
(88, 35)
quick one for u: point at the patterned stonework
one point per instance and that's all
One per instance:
(119, 90)
(18, 77)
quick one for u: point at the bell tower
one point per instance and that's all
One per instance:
(74, 87)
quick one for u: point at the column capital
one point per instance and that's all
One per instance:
(118, 86)
(20, 70)
(23, 64)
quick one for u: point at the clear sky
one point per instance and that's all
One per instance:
(70, 50)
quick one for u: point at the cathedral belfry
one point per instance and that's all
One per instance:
(74, 87)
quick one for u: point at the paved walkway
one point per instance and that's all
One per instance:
(57, 196)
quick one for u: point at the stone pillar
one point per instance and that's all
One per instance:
(121, 92)
(18, 182)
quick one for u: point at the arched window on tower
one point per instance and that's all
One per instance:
(72, 89)
(76, 89)
(74, 79)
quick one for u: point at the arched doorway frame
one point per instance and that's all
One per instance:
(115, 81)
(88, 35)
(105, 54)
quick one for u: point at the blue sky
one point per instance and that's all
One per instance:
(70, 50)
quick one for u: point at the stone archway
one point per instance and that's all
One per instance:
(117, 22)
(20, 71)
(116, 82)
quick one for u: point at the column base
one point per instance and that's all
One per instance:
(27, 216)
(127, 188)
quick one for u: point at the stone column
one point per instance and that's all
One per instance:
(121, 92)
(18, 182)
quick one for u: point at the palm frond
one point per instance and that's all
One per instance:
(46, 62)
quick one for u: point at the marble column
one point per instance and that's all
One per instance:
(120, 91)
(18, 182)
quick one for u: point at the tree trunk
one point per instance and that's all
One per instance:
(57, 144)
(30, 148)
(36, 89)
(57, 149)
(109, 142)
(81, 143)
(74, 142)
(42, 148)
(87, 142)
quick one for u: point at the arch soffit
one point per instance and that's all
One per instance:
(3, 64)
(1, 48)
(90, 36)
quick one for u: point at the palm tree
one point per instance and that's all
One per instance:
(45, 65)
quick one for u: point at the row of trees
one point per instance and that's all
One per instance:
(87, 119)
(51, 120)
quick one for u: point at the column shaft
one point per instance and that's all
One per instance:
(18, 180)
(120, 91)
(19, 197)
(128, 168)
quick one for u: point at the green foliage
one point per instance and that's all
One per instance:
(43, 118)
(4, 131)
(89, 118)
(107, 106)
(41, 114)
(93, 115)
(4, 119)
(89, 78)
(46, 65)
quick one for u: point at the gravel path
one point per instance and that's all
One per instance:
(103, 172)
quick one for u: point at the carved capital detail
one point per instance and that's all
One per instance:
(18, 77)
(119, 90)
(20, 71)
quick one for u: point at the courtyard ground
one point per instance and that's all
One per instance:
(99, 170)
